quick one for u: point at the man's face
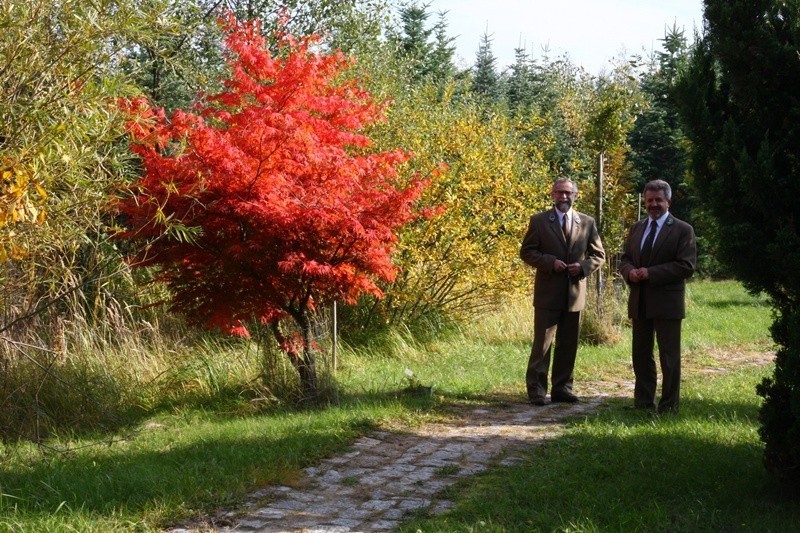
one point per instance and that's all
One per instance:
(656, 203)
(563, 196)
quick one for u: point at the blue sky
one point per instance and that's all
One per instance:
(590, 32)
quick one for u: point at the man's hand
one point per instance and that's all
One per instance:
(638, 274)
(575, 269)
(559, 265)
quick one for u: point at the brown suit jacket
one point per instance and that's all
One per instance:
(544, 243)
(672, 261)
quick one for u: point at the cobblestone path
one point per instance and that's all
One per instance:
(386, 476)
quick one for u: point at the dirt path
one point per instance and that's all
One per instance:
(388, 475)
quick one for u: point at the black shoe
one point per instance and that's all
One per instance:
(565, 397)
(537, 401)
(643, 407)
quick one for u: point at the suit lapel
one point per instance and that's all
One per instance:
(666, 229)
(555, 228)
(638, 234)
(576, 228)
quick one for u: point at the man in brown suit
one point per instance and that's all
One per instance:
(659, 255)
(564, 247)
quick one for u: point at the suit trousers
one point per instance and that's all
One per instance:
(667, 333)
(550, 325)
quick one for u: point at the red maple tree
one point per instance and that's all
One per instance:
(289, 207)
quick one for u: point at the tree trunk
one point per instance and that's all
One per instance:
(301, 357)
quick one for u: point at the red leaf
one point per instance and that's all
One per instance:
(289, 213)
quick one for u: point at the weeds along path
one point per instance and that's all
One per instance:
(389, 475)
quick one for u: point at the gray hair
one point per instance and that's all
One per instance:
(563, 179)
(659, 185)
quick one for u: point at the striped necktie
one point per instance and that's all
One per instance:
(647, 248)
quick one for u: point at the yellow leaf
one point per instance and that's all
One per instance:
(18, 252)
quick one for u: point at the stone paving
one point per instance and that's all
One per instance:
(388, 476)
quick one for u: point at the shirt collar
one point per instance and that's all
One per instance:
(660, 220)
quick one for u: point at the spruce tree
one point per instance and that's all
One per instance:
(440, 63)
(425, 51)
(658, 145)
(413, 40)
(485, 79)
(520, 84)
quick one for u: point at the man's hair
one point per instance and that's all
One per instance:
(563, 179)
(659, 185)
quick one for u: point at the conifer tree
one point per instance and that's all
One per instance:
(519, 86)
(658, 144)
(425, 51)
(441, 61)
(414, 43)
(739, 102)
(485, 79)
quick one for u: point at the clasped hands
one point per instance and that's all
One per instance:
(638, 274)
(574, 269)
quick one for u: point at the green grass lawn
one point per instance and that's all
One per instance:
(631, 471)
(613, 471)
(624, 470)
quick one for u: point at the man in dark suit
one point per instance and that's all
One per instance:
(659, 255)
(564, 247)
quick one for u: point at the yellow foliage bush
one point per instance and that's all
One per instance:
(464, 259)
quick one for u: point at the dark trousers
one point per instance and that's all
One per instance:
(550, 325)
(667, 333)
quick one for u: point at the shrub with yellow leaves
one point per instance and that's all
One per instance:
(465, 258)
(22, 200)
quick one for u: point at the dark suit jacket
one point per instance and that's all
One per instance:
(544, 243)
(672, 261)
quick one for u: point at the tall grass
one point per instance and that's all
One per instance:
(106, 386)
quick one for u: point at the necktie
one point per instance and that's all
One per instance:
(565, 227)
(647, 247)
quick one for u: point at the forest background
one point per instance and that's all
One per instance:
(89, 342)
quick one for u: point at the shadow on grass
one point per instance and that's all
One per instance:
(77, 407)
(733, 303)
(201, 474)
(81, 411)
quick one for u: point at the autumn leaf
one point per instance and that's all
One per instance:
(292, 206)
